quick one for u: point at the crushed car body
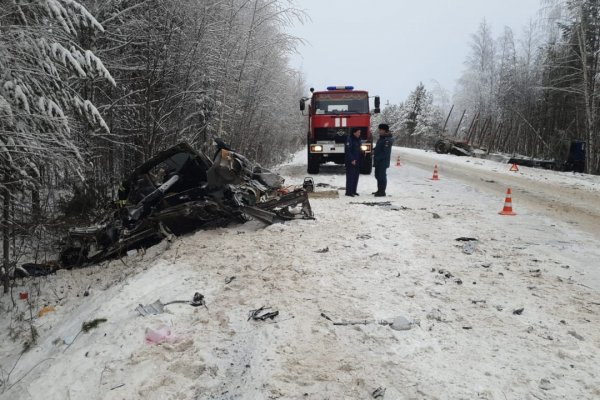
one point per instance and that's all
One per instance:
(180, 190)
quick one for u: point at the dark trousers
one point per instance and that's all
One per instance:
(381, 176)
(352, 174)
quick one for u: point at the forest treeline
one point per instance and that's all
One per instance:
(89, 89)
(530, 93)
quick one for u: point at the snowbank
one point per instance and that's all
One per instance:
(354, 262)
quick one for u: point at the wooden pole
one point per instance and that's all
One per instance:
(447, 119)
(473, 127)
(459, 122)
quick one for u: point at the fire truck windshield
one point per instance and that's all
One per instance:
(341, 103)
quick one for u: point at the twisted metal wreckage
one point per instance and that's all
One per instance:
(180, 190)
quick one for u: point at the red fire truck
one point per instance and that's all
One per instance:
(332, 115)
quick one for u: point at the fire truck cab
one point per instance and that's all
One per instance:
(333, 115)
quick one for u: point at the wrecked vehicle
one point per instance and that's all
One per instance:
(181, 190)
(447, 145)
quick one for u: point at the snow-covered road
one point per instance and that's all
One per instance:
(567, 197)
(517, 319)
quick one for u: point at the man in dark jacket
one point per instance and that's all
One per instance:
(352, 162)
(381, 158)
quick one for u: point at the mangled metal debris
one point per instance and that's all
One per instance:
(262, 314)
(158, 307)
(181, 190)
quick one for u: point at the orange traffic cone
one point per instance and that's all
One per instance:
(398, 162)
(436, 176)
(514, 168)
(507, 210)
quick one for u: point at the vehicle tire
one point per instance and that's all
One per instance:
(366, 165)
(314, 164)
(441, 147)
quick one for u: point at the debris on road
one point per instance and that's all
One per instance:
(348, 323)
(45, 310)
(576, 335)
(261, 314)
(378, 393)
(158, 307)
(384, 204)
(198, 300)
(159, 335)
(469, 247)
(470, 244)
(400, 324)
(326, 317)
(155, 308)
(89, 325)
(545, 384)
(323, 251)
(518, 311)
(309, 184)
(229, 280)
(373, 203)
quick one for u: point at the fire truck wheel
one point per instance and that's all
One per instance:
(366, 165)
(313, 164)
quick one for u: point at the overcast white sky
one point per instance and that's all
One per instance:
(388, 46)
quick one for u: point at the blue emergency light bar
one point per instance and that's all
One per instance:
(340, 87)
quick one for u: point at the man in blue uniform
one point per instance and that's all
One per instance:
(381, 158)
(352, 162)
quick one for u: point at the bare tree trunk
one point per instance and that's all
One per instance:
(36, 209)
(6, 238)
(588, 94)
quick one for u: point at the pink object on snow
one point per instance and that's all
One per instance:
(159, 335)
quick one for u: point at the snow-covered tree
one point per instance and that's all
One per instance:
(40, 64)
(39, 61)
(417, 121)
(477, 85)
(411, 109)
(197, 69)
(390, 115)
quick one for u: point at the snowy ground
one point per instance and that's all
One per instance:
(465, 342)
